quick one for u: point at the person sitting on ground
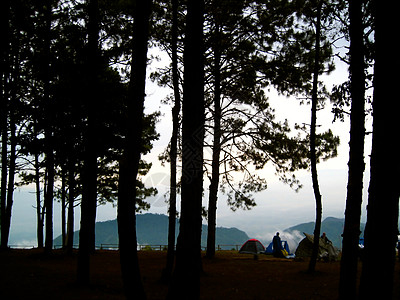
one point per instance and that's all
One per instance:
(325, 239)
(328, 246)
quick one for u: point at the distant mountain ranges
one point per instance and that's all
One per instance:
(152, 229)
(333, 227)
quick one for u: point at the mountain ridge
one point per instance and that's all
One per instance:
(333, 227)
(152, 229)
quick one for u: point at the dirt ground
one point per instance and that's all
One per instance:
(28, 274)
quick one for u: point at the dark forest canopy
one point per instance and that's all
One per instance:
(72, 98)
(44, 87)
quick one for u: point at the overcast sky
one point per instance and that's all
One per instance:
(278, 208)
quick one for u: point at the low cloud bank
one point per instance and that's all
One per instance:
(293, 238)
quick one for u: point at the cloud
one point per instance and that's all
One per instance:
(22, 243)
(293, 238)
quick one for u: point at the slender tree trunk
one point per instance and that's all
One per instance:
(14, 85)
(39, 208)
(71, 198)
(4, 172)
(63, 207)
(90, 164)
(313, 158)
(5, 234)
(4, 75)
(186, 276)
(213, 196)
(129, 163)
(4, 111)
(48, 197)
(89, 173)
(4, 60)
(48, 131)
(351, 233)
(174, 146)
(383, 200)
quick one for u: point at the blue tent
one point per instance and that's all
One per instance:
(285, 246)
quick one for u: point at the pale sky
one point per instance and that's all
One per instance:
(277, 208)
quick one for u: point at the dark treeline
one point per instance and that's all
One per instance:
(72, 122)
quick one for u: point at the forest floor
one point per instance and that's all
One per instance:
(28, 274)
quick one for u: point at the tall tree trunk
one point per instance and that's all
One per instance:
(129, 163)
(383, 200)
(4, 76)
(48, 131)
(5, 233)
(48, 197)
(213, 196)
(4, 172)
(4, 60)
(63, 207)
(38, 192)
(71, 198)
(39, 207)
(4, 68)
(186, 276)
(313, 157)
(351, 233)
(14, 86)
(89, 173)
(174, 145)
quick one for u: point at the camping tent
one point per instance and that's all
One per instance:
(285, 246)
(252, 246)
(325, 251)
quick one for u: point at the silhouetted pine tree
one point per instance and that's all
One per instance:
(381, 229)
(89, 173)
(356, 166)
(313, 127)
(173, 153)
(186, 276)
(132, 148)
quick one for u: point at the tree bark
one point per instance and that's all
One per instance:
(4, 94)
(313, 157)
(383, 199)
(11, 160)
(5, 233)
(213, 196)
(70, 217)
(39, 207)
(4, 172)
(63, 207)
(186, 276)
(174, 145)
(89, 173)
(351, 233)
(48, 130)
(48, 197)
(129, 163)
